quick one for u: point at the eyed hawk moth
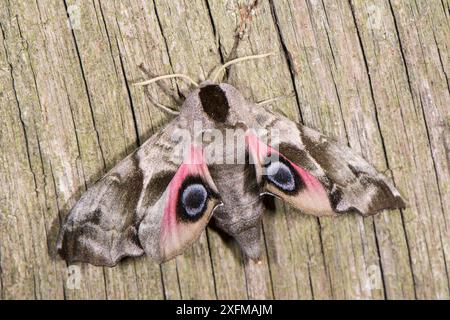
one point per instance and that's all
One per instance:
(150, 203)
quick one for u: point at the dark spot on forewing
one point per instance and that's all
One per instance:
(335, 198)
(95, 216)
(269, 202)
(130, 190)
(156, 187)
(298, 156)
(214, 103)
(383, 198)
(322, 152)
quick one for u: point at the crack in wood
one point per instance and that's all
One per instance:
(287, 56)
(86, 89)
(378, 124)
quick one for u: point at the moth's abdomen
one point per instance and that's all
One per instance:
(240, 215)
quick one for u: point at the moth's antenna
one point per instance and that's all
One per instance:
(229, 63)
(167, 76)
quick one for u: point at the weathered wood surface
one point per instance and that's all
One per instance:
(373, 74)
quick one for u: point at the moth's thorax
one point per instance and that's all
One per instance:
(216, 105)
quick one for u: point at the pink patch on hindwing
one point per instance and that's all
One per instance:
(260, 151)
(193, 165)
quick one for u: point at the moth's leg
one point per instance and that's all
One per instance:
(159, 105)
(169, 92)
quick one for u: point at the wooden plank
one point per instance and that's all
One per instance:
(113, 114)
(57, 136)
(407, 148)
(424, 31)
(372, 74)
(17, 276)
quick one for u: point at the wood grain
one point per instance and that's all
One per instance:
(372, 74)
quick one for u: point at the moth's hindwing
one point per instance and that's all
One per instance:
(317, 175)
(289, 181)
(183, 210)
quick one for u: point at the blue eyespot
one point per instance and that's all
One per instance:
(193, 199)
(281, 175)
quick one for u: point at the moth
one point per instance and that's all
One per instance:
(156, 203)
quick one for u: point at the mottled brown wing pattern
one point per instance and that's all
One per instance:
(102, 227)
(135, 208)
